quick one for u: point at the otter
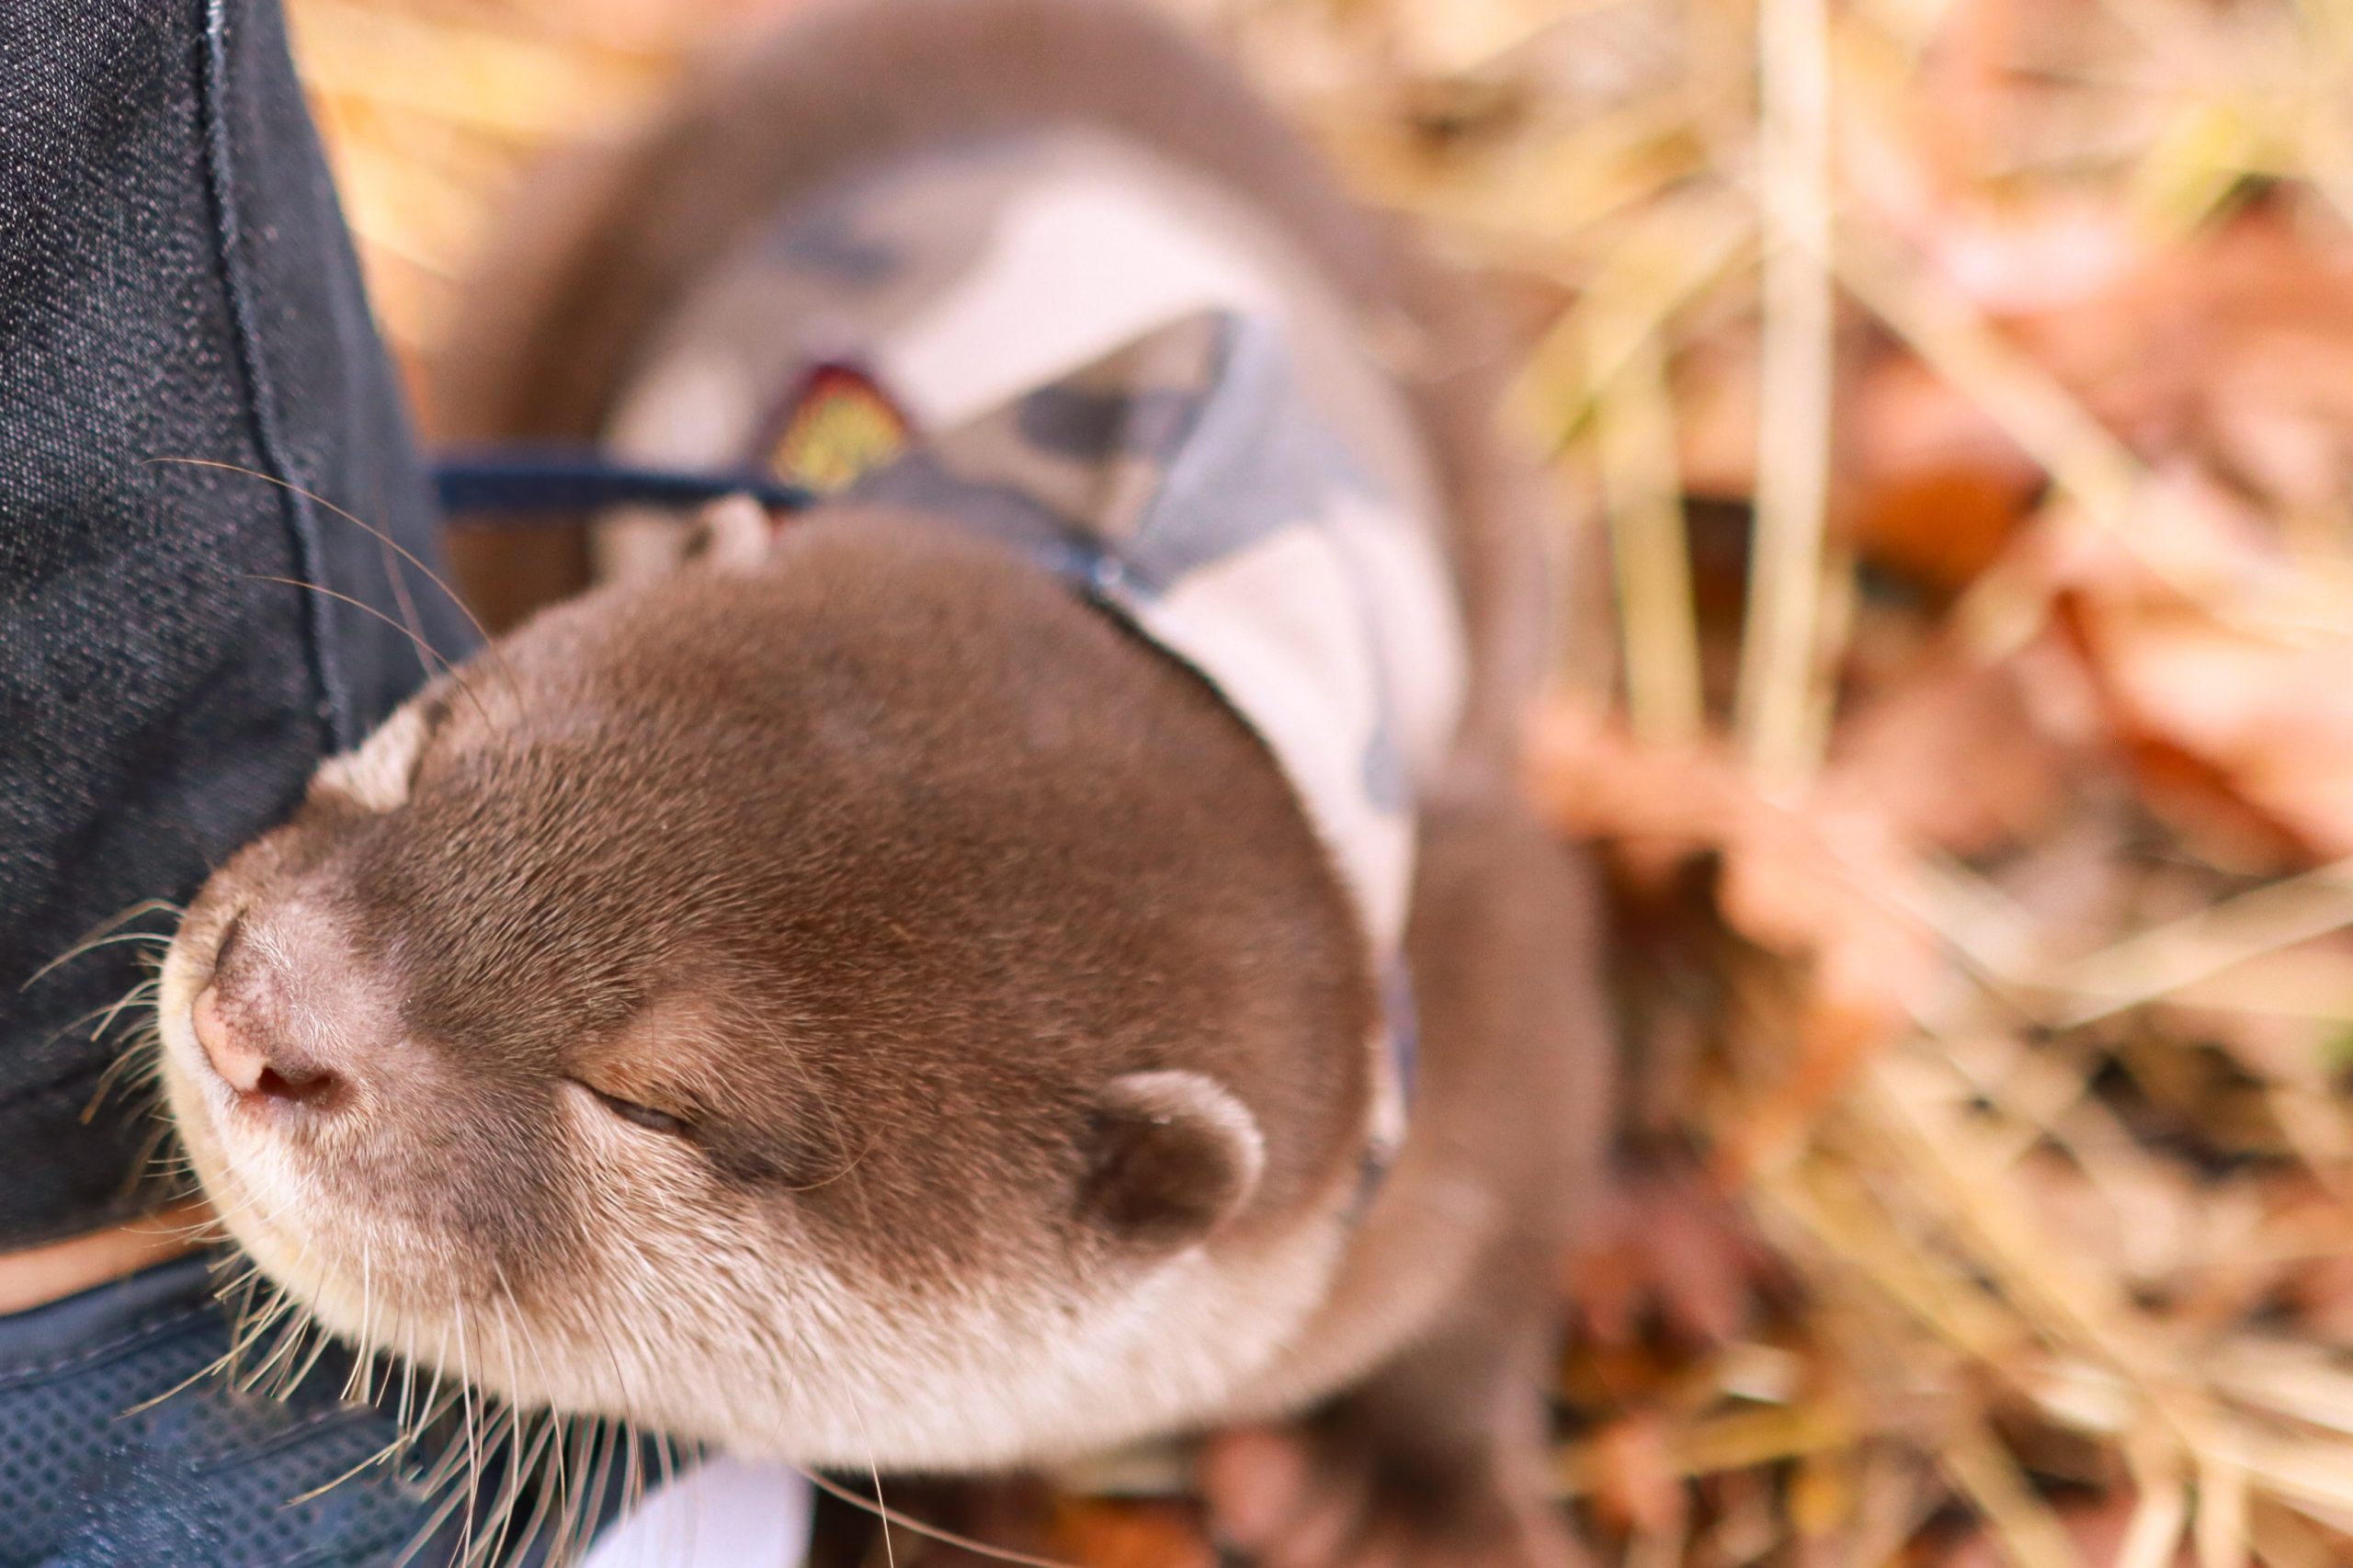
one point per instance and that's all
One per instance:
(899, 991)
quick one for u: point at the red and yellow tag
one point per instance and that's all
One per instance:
(838, 427)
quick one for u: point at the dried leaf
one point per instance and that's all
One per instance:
(1665, 1237)
(1129, 1535)
(1636, 1485)
(1951, 757)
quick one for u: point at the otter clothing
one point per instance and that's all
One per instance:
(1079, 348)
(723, 1513)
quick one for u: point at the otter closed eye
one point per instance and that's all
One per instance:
(643, 1116)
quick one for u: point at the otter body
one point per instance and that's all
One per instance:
(885, 992)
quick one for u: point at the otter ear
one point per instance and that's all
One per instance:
(1170, 1157)
(732, 534)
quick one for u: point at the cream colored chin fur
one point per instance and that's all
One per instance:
(704, 1319)
(767, 1354)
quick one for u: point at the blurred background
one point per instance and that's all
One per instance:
(1952, 405)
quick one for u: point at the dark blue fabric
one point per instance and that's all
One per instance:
(175, 282)
(203, 1479)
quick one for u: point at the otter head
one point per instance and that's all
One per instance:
(857, 1004)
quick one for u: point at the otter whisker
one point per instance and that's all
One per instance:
(359, 1382)
(379, 1457)
(494, 1523)
(363, 1378)
(403, 1371)
(558, 1489)
(126, 1063)
(98, 935)
(452, 1462)
(495, 1423)
(185, 1383)
(502, 1506)
(138, 993)
(157, 1144)
(836, 1490)
(555, 1481)
(617, 1434)
(454, 1458)
(429, 1529)
(409, 616)
(320, 1339)
(532, 1468)
(408, 1383)
(627, 1397)
(242, 1316)
(632, 1468)
(547, 1453)
(251, 1272)
(206, 1232)
(289, 1336)
(433, 1407)
(874, 1474)
(395, 1448)
(279, 1305)
(79, 948)
(364, 607)
(473, 1432)
(564, 1460)
(581, 1451)
(217, 1228)
(559, 1483)
(456, 600)
(104, 1010)
(225, 1359)
(556, 1456)
(363, 1365)
(140, 1056)
(607, 1448)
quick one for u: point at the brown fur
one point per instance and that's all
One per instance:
(927, 901)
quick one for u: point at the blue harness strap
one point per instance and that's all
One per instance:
(522, 485)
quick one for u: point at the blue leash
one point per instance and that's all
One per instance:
(557, 478)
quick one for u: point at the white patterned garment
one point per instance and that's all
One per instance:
(1102, 359)
(723, 1513)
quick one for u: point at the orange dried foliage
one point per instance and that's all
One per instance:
(1635, 1484)
(1824, 885)
(1105, 1534)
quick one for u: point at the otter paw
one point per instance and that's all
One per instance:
(1316, 1499)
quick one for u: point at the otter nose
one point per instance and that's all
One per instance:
(250, 1064)
(245, 1029)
